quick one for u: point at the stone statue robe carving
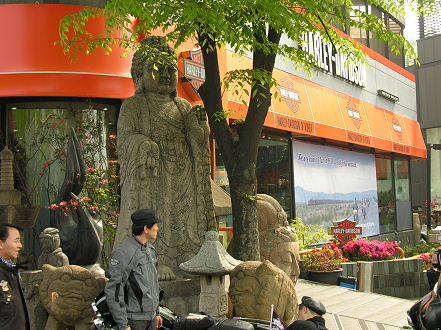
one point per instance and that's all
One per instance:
(164, 163)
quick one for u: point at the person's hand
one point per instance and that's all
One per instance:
(128, 328)
(158, 322)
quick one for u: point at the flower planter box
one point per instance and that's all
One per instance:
(403, 278)
(331, 277)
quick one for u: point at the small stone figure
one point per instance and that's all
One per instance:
(164, 159)
(81, 235)
(255, 286)
(51, 252)
(67, 294)
(278, 241)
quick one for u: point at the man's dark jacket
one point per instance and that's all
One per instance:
(13, 311)
(315, 323)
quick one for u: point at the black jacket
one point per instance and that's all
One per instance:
(315, 323)
(13, 311)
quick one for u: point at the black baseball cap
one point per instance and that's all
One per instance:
(145, 217)
(313, 304)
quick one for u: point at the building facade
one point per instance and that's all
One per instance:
(335, 145)
(426, 181)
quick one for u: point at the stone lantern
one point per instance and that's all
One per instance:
(213, 264)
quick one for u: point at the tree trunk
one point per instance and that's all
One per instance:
(243, 189)
(239, 153)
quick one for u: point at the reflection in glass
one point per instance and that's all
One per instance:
(38, 138)
(402, 194)
(272, 170)
(386, 205)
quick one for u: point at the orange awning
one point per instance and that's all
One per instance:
(306, 108)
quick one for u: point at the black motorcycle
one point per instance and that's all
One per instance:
(194, 321)
(425, 314)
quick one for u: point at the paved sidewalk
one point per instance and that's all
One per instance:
(351, 310)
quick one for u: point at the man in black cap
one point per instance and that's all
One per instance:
(133, 289)
(310, 315)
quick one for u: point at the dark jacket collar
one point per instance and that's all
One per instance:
(7, 265)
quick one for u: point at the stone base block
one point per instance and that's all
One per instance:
(181, 296)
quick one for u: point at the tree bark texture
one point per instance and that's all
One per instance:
(239, 152)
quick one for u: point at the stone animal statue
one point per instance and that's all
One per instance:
(51, 252)
(164, 155)
(67, 293)
(80, 234)
(278, 241)
(255, 286)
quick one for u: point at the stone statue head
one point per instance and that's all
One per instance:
(278, 241)
(151, 72)
(67, 292)
(255, 286)
(49, 240)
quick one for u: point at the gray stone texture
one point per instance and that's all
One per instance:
(51, 252)
(67, 294)
(164, 159)
(37, 314)
(181, 296)
(255, 286)
(278, 241)
(212, 259)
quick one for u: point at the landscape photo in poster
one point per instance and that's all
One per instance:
(333, 184)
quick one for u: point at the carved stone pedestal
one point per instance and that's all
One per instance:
(214, 295)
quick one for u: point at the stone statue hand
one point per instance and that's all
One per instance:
(200, 113)
(149, 159)
(165, 273)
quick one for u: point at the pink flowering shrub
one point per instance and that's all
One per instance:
(365, 250)
(325, 259)
(427, 260)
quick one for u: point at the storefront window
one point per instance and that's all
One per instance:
(38, 137)
(273, 171)
(386, 204)
(402, 194)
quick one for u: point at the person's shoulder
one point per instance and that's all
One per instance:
(124, 248)
(301, 325)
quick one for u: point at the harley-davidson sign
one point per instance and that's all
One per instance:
(346, 231)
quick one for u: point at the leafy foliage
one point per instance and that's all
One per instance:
(309, 235)
(410, 251)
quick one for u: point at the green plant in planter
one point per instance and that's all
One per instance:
(309, 235)
(325, 259)
(418, 249)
